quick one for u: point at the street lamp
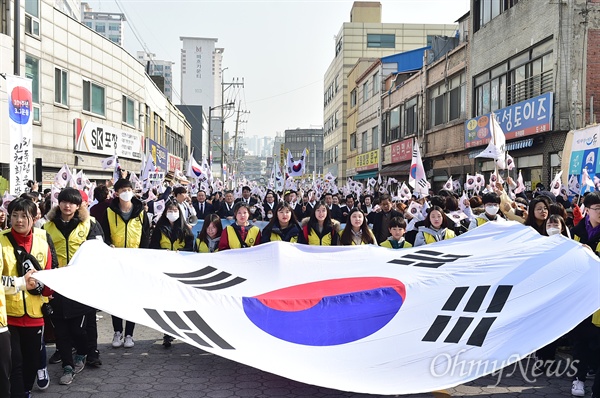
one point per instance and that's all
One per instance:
(210, 109)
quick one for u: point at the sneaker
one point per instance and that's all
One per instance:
(79, 363)
(117, 340)
(94, 359)
(55, 358)
(67, 377)
(43, 378)
(578, 388)
(128, 342)
(167, 340)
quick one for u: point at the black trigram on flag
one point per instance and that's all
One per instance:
(190, 324)
(426, 258)
(208, 278)
(473, 305)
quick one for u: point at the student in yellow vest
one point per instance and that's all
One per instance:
(210, 234)
(10, 285)
(24, 247)
(171, 231)
(320, 229)
(356, 231)
(241, 233)
(397, 228)
(491, 204)
(283, 226)
(126, 225)
(435, 228)
(70, 225)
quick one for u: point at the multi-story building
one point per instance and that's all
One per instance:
(91, 99)
(310, 139)
(357, 132)
(158, 67)
(367, 37)
(535, 65)
(108, 24)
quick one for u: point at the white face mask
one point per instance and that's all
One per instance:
(492, 210)
(126, 195)
(553, 231)
(173, 216)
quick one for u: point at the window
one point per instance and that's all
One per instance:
(114, 27)
(148, 124)
(410, 115)
(395, 123)
(363, 144)
(376, 83)
(32, 17)
(352, 141)
(61, 84)
(100, 28)
(381, 41)
(374, 137)
(128, 111)
(365, 91)
(93, 98)
(338, 47)
(446, 102)
(524, 76)
(353, 98)
(32, 71)
(486, 10)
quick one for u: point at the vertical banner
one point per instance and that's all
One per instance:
(20, 127)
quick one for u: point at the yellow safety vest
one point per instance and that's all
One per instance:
(64, 249)
(314, 239)
(388, 244)
(203, 247)
(276, 237)
(576, 238)
(17, 305)
(449, 234)
(481, 221)
(234, 242)
(165, 242)
(125, 234)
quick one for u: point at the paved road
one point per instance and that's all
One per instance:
(183, 371)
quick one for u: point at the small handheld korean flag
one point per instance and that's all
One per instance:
(510, 162)
(417, 178)
(449, 185)
(63, 176)
(404, 193)
(555, 184)
(520, 185)
(109, 162)
(296, 168)
(159, 207)
(470, 182)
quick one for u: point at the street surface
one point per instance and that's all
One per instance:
(183, 371)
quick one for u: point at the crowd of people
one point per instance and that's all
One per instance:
(36, 235)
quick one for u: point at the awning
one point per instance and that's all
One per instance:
(396, 169)
(366, 175)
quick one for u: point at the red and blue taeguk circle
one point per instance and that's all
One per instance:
(20, 105)
(329, 312)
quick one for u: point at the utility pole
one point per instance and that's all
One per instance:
(235, 144)
(225, 87)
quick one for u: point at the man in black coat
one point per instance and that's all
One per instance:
(334, 210)
(226, 209)
(203, 208)
(381, 217)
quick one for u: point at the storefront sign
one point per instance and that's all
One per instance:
(174, 162)
(585, 151)
(528, 117)
(159, 154)
(92, 137)
(367, 161)
(402, 151)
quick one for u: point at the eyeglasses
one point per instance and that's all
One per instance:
(594, 208)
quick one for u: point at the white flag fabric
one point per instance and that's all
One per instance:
(404, 193)
(109, 162)
(278, 179)
(587, 184)
(449, 185)
(355, 318)
(296, 168)
(417, 178)
(194, 170)
(520, 185)
(510, 162)
(470, 182)
(63, 176)
(556, 184)
(496, 148)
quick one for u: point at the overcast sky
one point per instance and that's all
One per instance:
(280, 48)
